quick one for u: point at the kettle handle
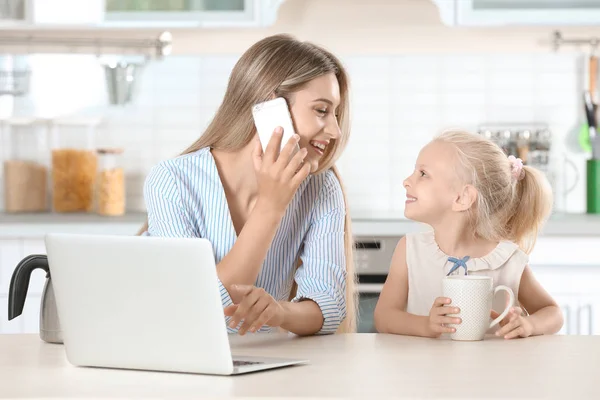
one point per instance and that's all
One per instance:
(19, 282)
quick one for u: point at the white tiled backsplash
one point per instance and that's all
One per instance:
(398, 104)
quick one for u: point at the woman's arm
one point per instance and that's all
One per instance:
(302, 318)
(321, 278)
(278, 181)
(244, 261)
(278, 176)
(258, 308)
(319, 305)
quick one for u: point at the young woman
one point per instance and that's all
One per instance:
(279, 227)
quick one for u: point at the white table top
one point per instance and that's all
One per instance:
(360, 365)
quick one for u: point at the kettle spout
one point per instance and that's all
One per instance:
(19, 283)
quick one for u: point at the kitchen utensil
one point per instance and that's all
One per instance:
(121, 81)
(590, 100)
(529, 141)
(590, 111)
(524, 144)
(593, 186)
(584, 138)
(50, 330)
(593, 77)
(588, 130)
(575, 176)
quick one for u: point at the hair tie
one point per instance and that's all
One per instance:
(516, 168)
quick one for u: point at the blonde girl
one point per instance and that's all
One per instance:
(485, 210)
(279, 228)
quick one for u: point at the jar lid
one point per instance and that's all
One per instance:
(109, 150)
(77, 121)
(23, 121)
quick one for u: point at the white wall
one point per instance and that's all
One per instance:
(411, 77)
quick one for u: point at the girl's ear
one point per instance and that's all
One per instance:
(465, 199)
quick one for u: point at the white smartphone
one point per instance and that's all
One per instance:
(269, 115)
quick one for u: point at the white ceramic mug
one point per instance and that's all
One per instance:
(473, 295)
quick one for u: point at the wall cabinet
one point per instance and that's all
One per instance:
(519, 12)
(164, 14)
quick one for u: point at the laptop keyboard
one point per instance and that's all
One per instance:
(238, 363)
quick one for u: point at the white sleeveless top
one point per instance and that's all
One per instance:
(428, 265)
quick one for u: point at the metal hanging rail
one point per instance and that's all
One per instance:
(558, 41)
(159, 47)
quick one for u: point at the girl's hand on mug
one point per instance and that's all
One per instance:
(515, 324)
(255, 308)
(278, 173)
(438, 318)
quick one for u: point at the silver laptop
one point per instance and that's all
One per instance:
(147, 303)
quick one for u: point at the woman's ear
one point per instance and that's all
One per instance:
(465, 199)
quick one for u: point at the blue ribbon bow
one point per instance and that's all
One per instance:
(458, 262)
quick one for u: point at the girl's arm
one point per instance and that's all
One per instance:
(545, 316)
(390, 314)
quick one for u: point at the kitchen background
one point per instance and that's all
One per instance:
(400, 97)
(416, 69)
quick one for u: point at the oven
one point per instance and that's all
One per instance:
(372, 261)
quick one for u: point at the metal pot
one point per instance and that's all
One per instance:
(121, 81)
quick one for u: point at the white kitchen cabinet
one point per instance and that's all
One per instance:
(595, 301)
(582, 314)
(519, 12)
(588, 315)
(44, 13)
(165, 14)
(191, 13)
(568, 305)
(575, 289)
(569, 269)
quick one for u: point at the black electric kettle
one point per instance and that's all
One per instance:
(50, 330)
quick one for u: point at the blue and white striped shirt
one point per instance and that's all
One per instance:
(185, 198)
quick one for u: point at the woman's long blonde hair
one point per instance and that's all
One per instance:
(507, 207)
(281, 65)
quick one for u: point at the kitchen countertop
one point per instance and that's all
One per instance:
(37, 225)
(559, 224)
(364, 224)
(342, 366)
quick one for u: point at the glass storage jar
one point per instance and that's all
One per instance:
(110, 194)
(74, 164)
(25, 166)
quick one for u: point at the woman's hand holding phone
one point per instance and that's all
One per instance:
(278, 173)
